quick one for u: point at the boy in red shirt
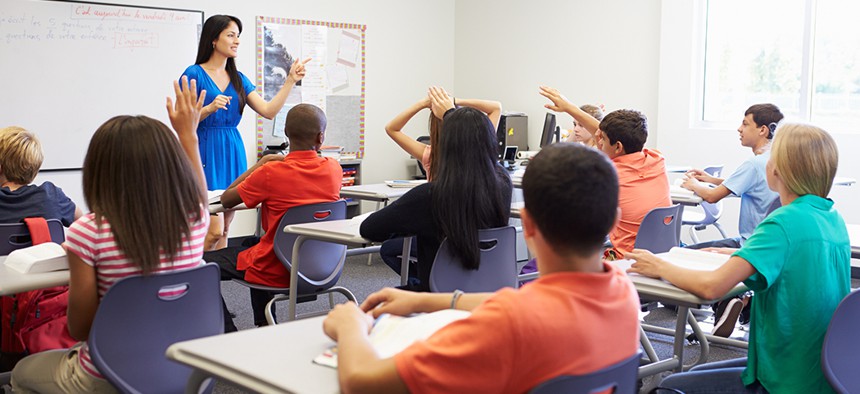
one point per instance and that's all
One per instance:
(559, 324)
(279, 183)
(642, 176)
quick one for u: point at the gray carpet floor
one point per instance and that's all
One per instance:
(363, 279)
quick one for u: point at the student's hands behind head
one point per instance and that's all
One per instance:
(559, 102)
(393, 301)
(440, 101)
(346, 318)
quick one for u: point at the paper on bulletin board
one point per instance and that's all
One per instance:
(347, 53)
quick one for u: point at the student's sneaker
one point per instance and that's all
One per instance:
(726, 322)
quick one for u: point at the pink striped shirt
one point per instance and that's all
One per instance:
(95, 245)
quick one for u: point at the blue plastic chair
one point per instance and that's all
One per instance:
(15, 236)
(620, 378)
(699, 220)
(841, 347)
(140, 316)
(660, 230)
(497, 268)
(321, 263)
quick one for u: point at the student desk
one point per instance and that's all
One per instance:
(678, 194)
(843, 181)
(14, 282)
(379, 192)
(271, 359)
(665, 292)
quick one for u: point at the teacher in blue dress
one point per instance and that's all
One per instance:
(227, 92)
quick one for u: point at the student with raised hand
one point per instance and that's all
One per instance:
(642, 176)
(798, 263)
(514, 339)
(469, 191)
(149, 216)
(221, 147)
(749, 181)
(20, 159)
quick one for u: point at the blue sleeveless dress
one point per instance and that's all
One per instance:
(221, 149)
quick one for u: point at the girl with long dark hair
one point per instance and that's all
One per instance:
(470, 191)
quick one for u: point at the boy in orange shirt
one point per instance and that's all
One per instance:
(511, 342)
(279, 183)
(642, 176)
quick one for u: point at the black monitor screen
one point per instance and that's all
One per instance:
(548, 130)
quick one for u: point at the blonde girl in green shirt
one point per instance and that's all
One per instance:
(798, 263)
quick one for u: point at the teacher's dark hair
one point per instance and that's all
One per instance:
(469, 189)
(137, 178)
(571, 194)
(211, 31)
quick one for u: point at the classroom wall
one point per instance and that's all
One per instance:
(685, 144)
(593, 52)
(409, 47)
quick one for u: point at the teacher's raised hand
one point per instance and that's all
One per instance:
(297, 70)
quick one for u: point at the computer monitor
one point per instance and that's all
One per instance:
(549, 130)
(501, 136)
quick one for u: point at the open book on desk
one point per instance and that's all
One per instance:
(407, 184)
(39, 258)
(687, 258)
(391, 334)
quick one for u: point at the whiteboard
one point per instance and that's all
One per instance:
(69, 66)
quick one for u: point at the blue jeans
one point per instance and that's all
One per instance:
(391, 250)
(713, 378)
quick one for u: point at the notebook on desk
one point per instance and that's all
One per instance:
(405, 184)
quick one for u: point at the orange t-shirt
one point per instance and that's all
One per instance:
(563, 323)
(643, 186)
(301, 178)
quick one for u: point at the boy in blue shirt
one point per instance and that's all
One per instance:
(748, 181)
(20, 160)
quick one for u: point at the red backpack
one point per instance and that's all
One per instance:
(34, 321)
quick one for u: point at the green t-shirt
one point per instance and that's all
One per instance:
(802, 257)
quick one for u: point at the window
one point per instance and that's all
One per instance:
(802, 55)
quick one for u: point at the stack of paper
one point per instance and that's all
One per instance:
(331, 151)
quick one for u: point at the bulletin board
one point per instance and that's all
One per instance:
(334, 78)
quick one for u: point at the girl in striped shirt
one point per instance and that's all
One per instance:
(147, 200)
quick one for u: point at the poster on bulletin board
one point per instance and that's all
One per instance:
(334, 78)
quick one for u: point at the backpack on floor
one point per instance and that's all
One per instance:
(33, 321)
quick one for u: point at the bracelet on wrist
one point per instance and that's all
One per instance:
(455, 297)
